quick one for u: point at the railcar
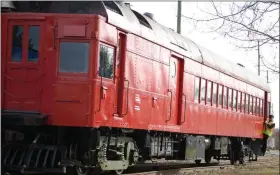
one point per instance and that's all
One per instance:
(98, 86)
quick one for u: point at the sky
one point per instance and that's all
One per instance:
(165, 13)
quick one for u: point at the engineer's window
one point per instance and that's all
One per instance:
(73, 57)
(214, 96)
(106, 61)
(209, 90)
(202, 90)
(17, 37)
(33, 43)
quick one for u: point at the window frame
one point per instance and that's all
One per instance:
(89, 57)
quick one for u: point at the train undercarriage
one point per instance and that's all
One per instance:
(51, 149)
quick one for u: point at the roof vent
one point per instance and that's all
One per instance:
(121, 3)
(150, 15)
(127, 4)
(240, 65)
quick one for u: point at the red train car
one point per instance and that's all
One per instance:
(89, 85)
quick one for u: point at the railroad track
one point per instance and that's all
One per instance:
(172, 169)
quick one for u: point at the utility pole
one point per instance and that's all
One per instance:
(179, 10)
(259, 59)
(267, 76)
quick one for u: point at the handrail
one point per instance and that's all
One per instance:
(127, 97)
(170, 108)
(185, 108)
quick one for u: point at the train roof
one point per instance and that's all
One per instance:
(120, 14)
(138, 23)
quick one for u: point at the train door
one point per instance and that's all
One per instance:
(23, 74)
(173, 116)
(119, 107)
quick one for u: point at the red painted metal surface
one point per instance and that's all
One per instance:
(152, 86)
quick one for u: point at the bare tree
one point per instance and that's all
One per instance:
(245, 23)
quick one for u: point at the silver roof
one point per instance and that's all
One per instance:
(182, 45)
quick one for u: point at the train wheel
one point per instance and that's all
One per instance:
(208, 159)
(118, 172)
(197, 162)
(78, 171)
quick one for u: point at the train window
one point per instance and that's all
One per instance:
(17, 43)
(220, 96)
(33, 43)
(106, 59)
(214, 96)
(247, 103)
(230, 98)
(254, 105)
(225, 97)
(234, 99)
(209, 90)
(196, 89)
(250, 104)
(257, 106)
(238, 97)
(261, 107)
(202, 90)
(243, 102)
(73, 57)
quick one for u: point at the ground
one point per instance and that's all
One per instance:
(267, 165)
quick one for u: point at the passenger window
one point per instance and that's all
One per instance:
(220, 96)
(202, 90)
(239, 100)
(17, 37)
(73, 57)
(261, 107)
(257, 106)
(209, 90)
(106, 61)
(234, 99)
(230, 98)
(33, 43)
(196, 90)
(243, 102)
(250, 104)
(247, 103)
(214, 96)
(225, 97)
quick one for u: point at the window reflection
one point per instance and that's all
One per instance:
(17, 43)
(106, 55)
(73, 57)
(33, 43)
